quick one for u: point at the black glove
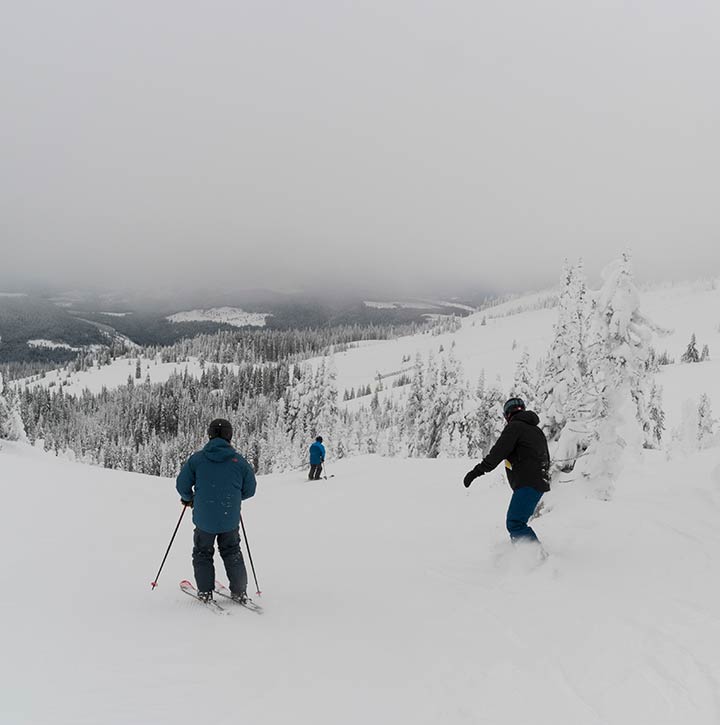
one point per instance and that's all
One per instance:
(186, 503)
(470, 476)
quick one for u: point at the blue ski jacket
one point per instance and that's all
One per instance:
(216, 479)
(317, 453)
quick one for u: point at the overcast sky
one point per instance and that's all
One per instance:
(393, 143)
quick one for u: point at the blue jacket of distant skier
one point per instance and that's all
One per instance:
(317, 453)
(216, 479)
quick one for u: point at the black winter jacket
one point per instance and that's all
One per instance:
(524, 448)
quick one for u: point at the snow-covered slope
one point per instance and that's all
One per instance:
(526, 323)
(114, 375)
(50, 345)
(226, 315)
(390, 594)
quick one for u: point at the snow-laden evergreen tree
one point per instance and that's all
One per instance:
(278, 445)
(326, 409)
(524, 383)
(654, 427)
(310, 410)
(450, 410)
(428, 432)
(485, 423)
(11, 425)
(433, 421)
(474, 419)
(617, 369)
(414, 407)
(562, 390)
(691, 354)
(705, 354)
(705, 423)
(299, 414)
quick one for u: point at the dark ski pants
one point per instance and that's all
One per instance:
(204, 566)
(523, 503)
(315, 471)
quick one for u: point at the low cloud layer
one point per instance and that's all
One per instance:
(390, 146)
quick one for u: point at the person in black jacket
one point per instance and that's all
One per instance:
(527, 462)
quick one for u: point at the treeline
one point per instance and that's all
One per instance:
(259, 380)
(151, 428)
(276, 410)
(266, 345)
(596, 381)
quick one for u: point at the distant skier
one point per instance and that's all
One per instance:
(317, 458)
(527, 461)
(214, 482)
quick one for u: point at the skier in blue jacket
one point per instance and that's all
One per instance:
(317, 458)
(214, 482)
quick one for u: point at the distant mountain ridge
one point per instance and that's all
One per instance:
(68, 322)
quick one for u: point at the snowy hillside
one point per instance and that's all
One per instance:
(50, 345)
(114, 375)
(490, 342)
(437, 306)
(524, 323)
(390, 595)
(494, 340)
(226, 315)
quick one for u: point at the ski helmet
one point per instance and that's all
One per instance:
(220, 428)
(513, 406)
(319, 439)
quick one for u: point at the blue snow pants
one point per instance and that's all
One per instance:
(523, 503)
(204, 553)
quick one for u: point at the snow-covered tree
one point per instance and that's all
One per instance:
(654, 427)
(524, 383)
(705, 423)
(413, 409)
(485, 422)
(562, 388)
(326, 414)
(428, 431)
(691, 354)
(450, 409)
(617, 370)
(11, 426)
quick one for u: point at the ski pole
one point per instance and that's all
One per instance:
(153, 584)
(252, 566)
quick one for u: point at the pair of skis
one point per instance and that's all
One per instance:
(224, 592)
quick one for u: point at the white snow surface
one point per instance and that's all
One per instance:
(417, 305)
(226, 315)
(390, 596)
(497, 346)
(114, 375)
(391, 593)
(50, 344)
(494, 348)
